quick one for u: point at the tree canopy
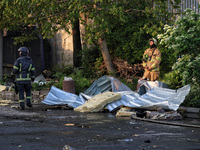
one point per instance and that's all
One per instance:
(125, 25)
(46, 16)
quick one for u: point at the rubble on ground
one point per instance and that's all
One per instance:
(155, 94)
(111, 94)
(125, 112)
(159, 114)
(2, 88)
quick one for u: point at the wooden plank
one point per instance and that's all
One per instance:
(189, 109)
(192, 110)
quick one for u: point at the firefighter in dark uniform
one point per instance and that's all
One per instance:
(24, 71)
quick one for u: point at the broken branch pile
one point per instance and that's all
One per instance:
(127, 70)
(124, 69)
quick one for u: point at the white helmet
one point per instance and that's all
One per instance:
(154, 40)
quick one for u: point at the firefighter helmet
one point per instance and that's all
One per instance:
(154, 40)
(23, 50)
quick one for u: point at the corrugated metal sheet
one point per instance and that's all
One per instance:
(99, 86)
(156, 96)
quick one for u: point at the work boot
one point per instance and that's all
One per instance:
(22, 105)
(28, 103)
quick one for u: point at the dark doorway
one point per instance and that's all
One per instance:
(37, 53)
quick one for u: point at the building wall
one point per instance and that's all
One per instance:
(62, 48)
(192, 4)
(62, 44)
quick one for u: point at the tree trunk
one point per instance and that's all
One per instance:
(106, 56)
(76, 44)
(1, 54)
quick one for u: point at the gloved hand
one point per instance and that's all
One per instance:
(149, 68)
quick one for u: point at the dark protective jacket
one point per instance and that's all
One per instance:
(24, 70)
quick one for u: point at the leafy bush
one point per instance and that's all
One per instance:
(4, 79)
(133, 86)
(182, 40)
(39, 86)
(193, 98)
(168, 60)
(186, 71)
(189, 69)
(42, 86)
(173, 80)
(89, 57)
(57, 70)
(81, 83)
(184, 37)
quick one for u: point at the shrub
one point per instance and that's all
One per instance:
(81, 83)
(186, 71)
(89, 57)
(4, 79)
(193, 98)
(61, 69)
(183, 38)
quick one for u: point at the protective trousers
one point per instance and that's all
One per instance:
(152, 75)
(25, 88)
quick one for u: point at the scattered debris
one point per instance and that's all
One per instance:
(57, 96)
(147, 141)
(3, 88)
(156, 96)
(67, 147)
(159, 114)
(69, 124)
(124, 69)
(15, 106)
(4, 104)
(127, 70)
(6, 101)
(171, 115)
(125, 112)
(10, 95)
(189, 112)
(40, 80)
(110, 93)
(96, 103)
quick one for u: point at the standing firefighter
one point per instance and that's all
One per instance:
(25, 73)
(151, 61)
